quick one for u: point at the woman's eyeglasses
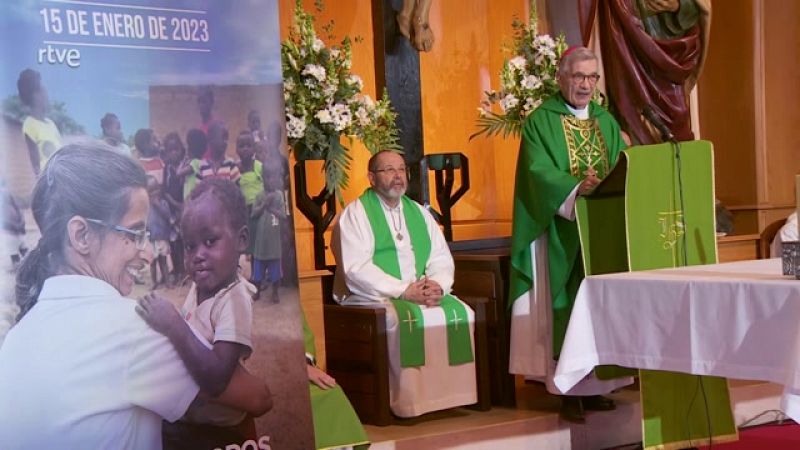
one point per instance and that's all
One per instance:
(140, 238)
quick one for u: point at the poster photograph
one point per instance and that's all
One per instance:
(189, 91)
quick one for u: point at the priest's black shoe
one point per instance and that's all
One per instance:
(572, 409)
(598, 403)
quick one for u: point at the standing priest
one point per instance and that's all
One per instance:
(568, 145)
(391, 253)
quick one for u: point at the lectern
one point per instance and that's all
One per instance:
(656, 210)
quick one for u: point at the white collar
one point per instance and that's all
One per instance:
(74, 286)
(582, 113)
(386, 206)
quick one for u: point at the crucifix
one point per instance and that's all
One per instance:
(397, 71)
(410, 321)
(412, 22)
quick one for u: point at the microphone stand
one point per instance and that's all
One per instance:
(667, 136)
(676, 150)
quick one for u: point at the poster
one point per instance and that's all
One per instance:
(171, 66)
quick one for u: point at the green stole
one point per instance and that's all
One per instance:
(409, 315)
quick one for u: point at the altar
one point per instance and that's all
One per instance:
(737, 320)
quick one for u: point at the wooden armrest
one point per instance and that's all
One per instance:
(475, 301)
(354, 323)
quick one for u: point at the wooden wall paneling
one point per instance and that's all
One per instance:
(781, 41)
(748, 107)
(506, 150)
(451, 91)
(759, 102)
(737, 248)
(466, 61)
(351, 18)
(727, 110)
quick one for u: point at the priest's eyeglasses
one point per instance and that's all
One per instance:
(140, 238)
(392, 171)
(579, 78)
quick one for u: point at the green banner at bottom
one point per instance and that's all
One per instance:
(682, 410)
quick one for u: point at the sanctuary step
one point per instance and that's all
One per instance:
(535, 424)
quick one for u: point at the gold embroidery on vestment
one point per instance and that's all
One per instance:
(671, 225)
(586, 146)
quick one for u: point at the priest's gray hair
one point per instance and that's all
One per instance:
(573, 56)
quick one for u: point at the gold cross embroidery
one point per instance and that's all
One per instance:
(586, 146)
(410, 321)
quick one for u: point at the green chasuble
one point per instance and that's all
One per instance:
(555, 152)
(335, 422)
(411, 329)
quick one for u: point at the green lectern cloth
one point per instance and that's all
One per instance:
(649, 225)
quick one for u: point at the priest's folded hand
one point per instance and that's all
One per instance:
(588, 184)
(432, 299)
(415, 292)
(431, 287)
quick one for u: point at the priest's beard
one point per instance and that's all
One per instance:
(391, 192)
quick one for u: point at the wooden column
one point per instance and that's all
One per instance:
(397, 70)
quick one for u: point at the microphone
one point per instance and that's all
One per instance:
(652, 117)
(667, 136)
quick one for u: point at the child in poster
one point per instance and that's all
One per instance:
(269, 209)
(218, 306)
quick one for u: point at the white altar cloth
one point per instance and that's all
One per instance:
(737, 320)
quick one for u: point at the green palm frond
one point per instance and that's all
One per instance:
(337, 168)
(493, 124)
(526, 79)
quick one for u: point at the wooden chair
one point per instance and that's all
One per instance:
(482, 270)
(357, 355)
(767, 236)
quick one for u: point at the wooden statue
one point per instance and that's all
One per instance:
(413, 23)
(653, 52)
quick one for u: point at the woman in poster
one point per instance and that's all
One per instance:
(81, 369)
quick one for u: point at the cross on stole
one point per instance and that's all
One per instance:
(455, 320)
(410, 321)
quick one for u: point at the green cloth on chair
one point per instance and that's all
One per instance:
(335, 421)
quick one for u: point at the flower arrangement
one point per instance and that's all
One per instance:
(324, 102)
(526, 80)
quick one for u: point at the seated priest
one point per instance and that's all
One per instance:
(390, 253)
